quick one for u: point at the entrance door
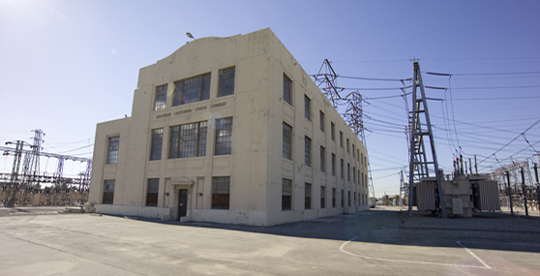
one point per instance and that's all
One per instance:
(182, 203)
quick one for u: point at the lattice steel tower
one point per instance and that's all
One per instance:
(421, 129)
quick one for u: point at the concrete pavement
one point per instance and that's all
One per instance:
(375, 242)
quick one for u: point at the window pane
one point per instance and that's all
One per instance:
(321, 120)
(341, 139)
(333, 164)
(323, 197)
(307, 152)
(342, 168)
(161, 97)
(307, 196)
(152, 192)
(192, 90)
(323, 159)
(333, 197)
(224, 136)
(112, 157)
(108, 191)
(287, 95)
(188, 140)
(307, 108)
(157, 142)
(286, 194)
(221, 192)
(332, 127)
(226, 82)
(287, 141)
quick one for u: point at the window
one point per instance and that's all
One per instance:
(307, 108)
(307, 152)
(153, 191)
(287, 141)
(332, 127)
(287, 90)
(355, 199)
(112, 157)
(188, 140)
(349, 197)
(362, 159)
(341, 139)
(333, 197)
(349, 171)
(342, 168)
(307, 196)
(333, 164)
(224, 129)
(347, 144)
(354, 174)
(321, 120)
(323, 196)
(161, 97)
(362, 180)
(353, 151)
(221, 187)
(286, 194)
(157, 142)
(226, 82)
(108, 191)
(359, 179)
(192, 90)
(358, 154)
(342, 198)
(323, 159)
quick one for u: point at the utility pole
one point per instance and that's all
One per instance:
(418, 163)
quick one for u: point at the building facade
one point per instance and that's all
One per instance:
(229, 130)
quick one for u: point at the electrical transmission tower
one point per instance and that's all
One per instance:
(31, 162)
(326, 77)
(421, 129)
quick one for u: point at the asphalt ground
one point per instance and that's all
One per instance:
(375, 242)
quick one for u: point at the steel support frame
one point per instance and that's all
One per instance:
(417, 159)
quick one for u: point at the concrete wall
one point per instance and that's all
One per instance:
(256, 166)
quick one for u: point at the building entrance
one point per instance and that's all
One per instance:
(182, 203)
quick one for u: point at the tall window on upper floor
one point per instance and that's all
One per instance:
(358, 154)
(108, 191)
(332, 128)
(354, 174)
(287, 89)
(333, 164)
(157, 143)
(342, 169)
(224, 128)
(347, 144)
(161, 97)
(307, 107)
(349, 171)
(226, 82)
(333, 197)
(323, 159)
(152, 192)
(112, 156)
(341, 138)
(192, 90)
(286, 194)
(307, 151)
(221, 189)
(287, 141)
(188, 140)
(321, 120)
(353, 151)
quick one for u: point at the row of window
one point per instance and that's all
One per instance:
(287, 96)
(185, 141)
(195, 89)
(220, 192)
(287, 195)
(287, 153)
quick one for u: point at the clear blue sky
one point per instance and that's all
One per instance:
(67, 65)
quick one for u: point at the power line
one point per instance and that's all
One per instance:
(493, 154)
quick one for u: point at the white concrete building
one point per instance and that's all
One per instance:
(229, 130)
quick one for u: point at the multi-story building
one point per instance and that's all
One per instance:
(229, 130)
